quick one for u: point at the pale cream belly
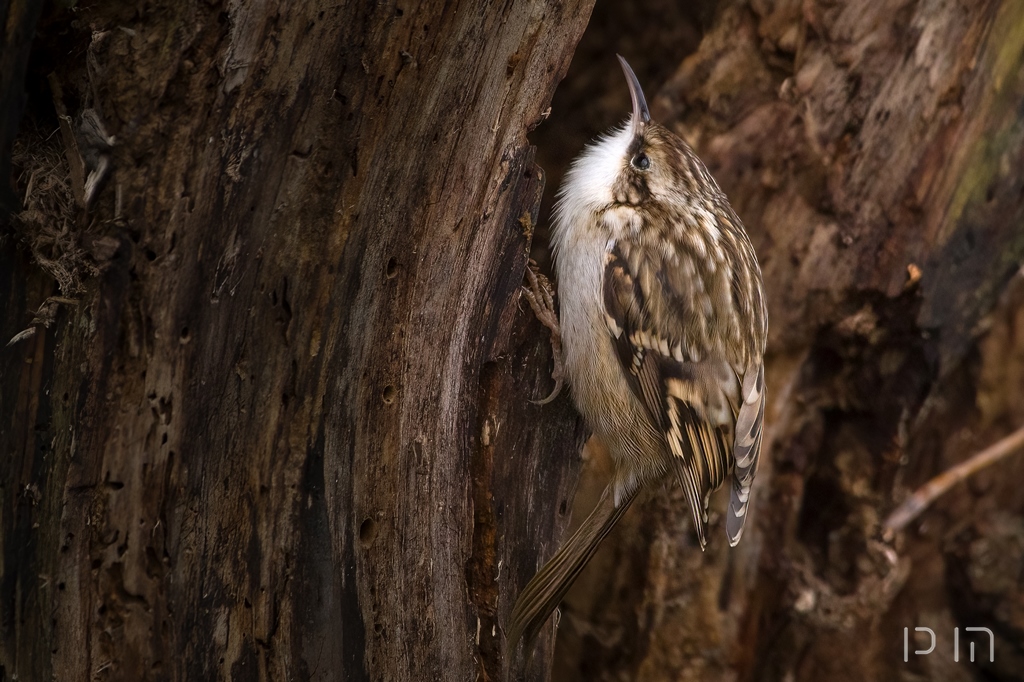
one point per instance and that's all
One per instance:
(599, 387)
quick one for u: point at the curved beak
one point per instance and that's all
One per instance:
(641, 115)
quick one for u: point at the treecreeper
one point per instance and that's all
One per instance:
(662, 327)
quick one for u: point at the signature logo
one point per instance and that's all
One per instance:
(956, 643)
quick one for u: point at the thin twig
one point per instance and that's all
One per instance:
(71, 151)
(930, 491)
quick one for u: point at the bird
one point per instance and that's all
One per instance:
(662, 326)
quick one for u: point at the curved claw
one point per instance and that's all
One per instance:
(542, 300)
(556, 374)
(554, 394)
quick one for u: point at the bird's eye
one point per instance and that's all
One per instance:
(641, 162)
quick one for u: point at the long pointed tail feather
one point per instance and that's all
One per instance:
(543, 593)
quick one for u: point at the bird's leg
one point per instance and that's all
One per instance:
(541, 296)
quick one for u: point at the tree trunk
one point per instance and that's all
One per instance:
(875, 152)
(275, 424)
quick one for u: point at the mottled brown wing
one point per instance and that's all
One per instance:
(669, 382)
(746, 450)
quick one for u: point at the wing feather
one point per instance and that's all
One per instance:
(746, 450)
(673, 386)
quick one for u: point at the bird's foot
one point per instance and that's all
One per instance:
(541, 296)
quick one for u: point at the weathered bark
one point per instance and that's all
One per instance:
(285, 431)
(17, 27)
(875, 152)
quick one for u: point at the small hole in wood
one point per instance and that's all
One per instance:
(367, 532)
(392, 268)
(185, 336)
(150, 255)
(389, 395)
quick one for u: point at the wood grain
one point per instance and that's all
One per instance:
(291, 436)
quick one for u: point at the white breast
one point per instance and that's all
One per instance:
(583, 232)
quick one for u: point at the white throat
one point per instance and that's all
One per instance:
(587, 186)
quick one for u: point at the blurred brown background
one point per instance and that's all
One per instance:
(874, 151)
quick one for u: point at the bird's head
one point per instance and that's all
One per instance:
(639, 164)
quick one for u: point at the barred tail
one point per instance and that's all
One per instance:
(543, 593)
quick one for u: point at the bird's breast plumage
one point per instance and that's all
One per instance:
(599, 388)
